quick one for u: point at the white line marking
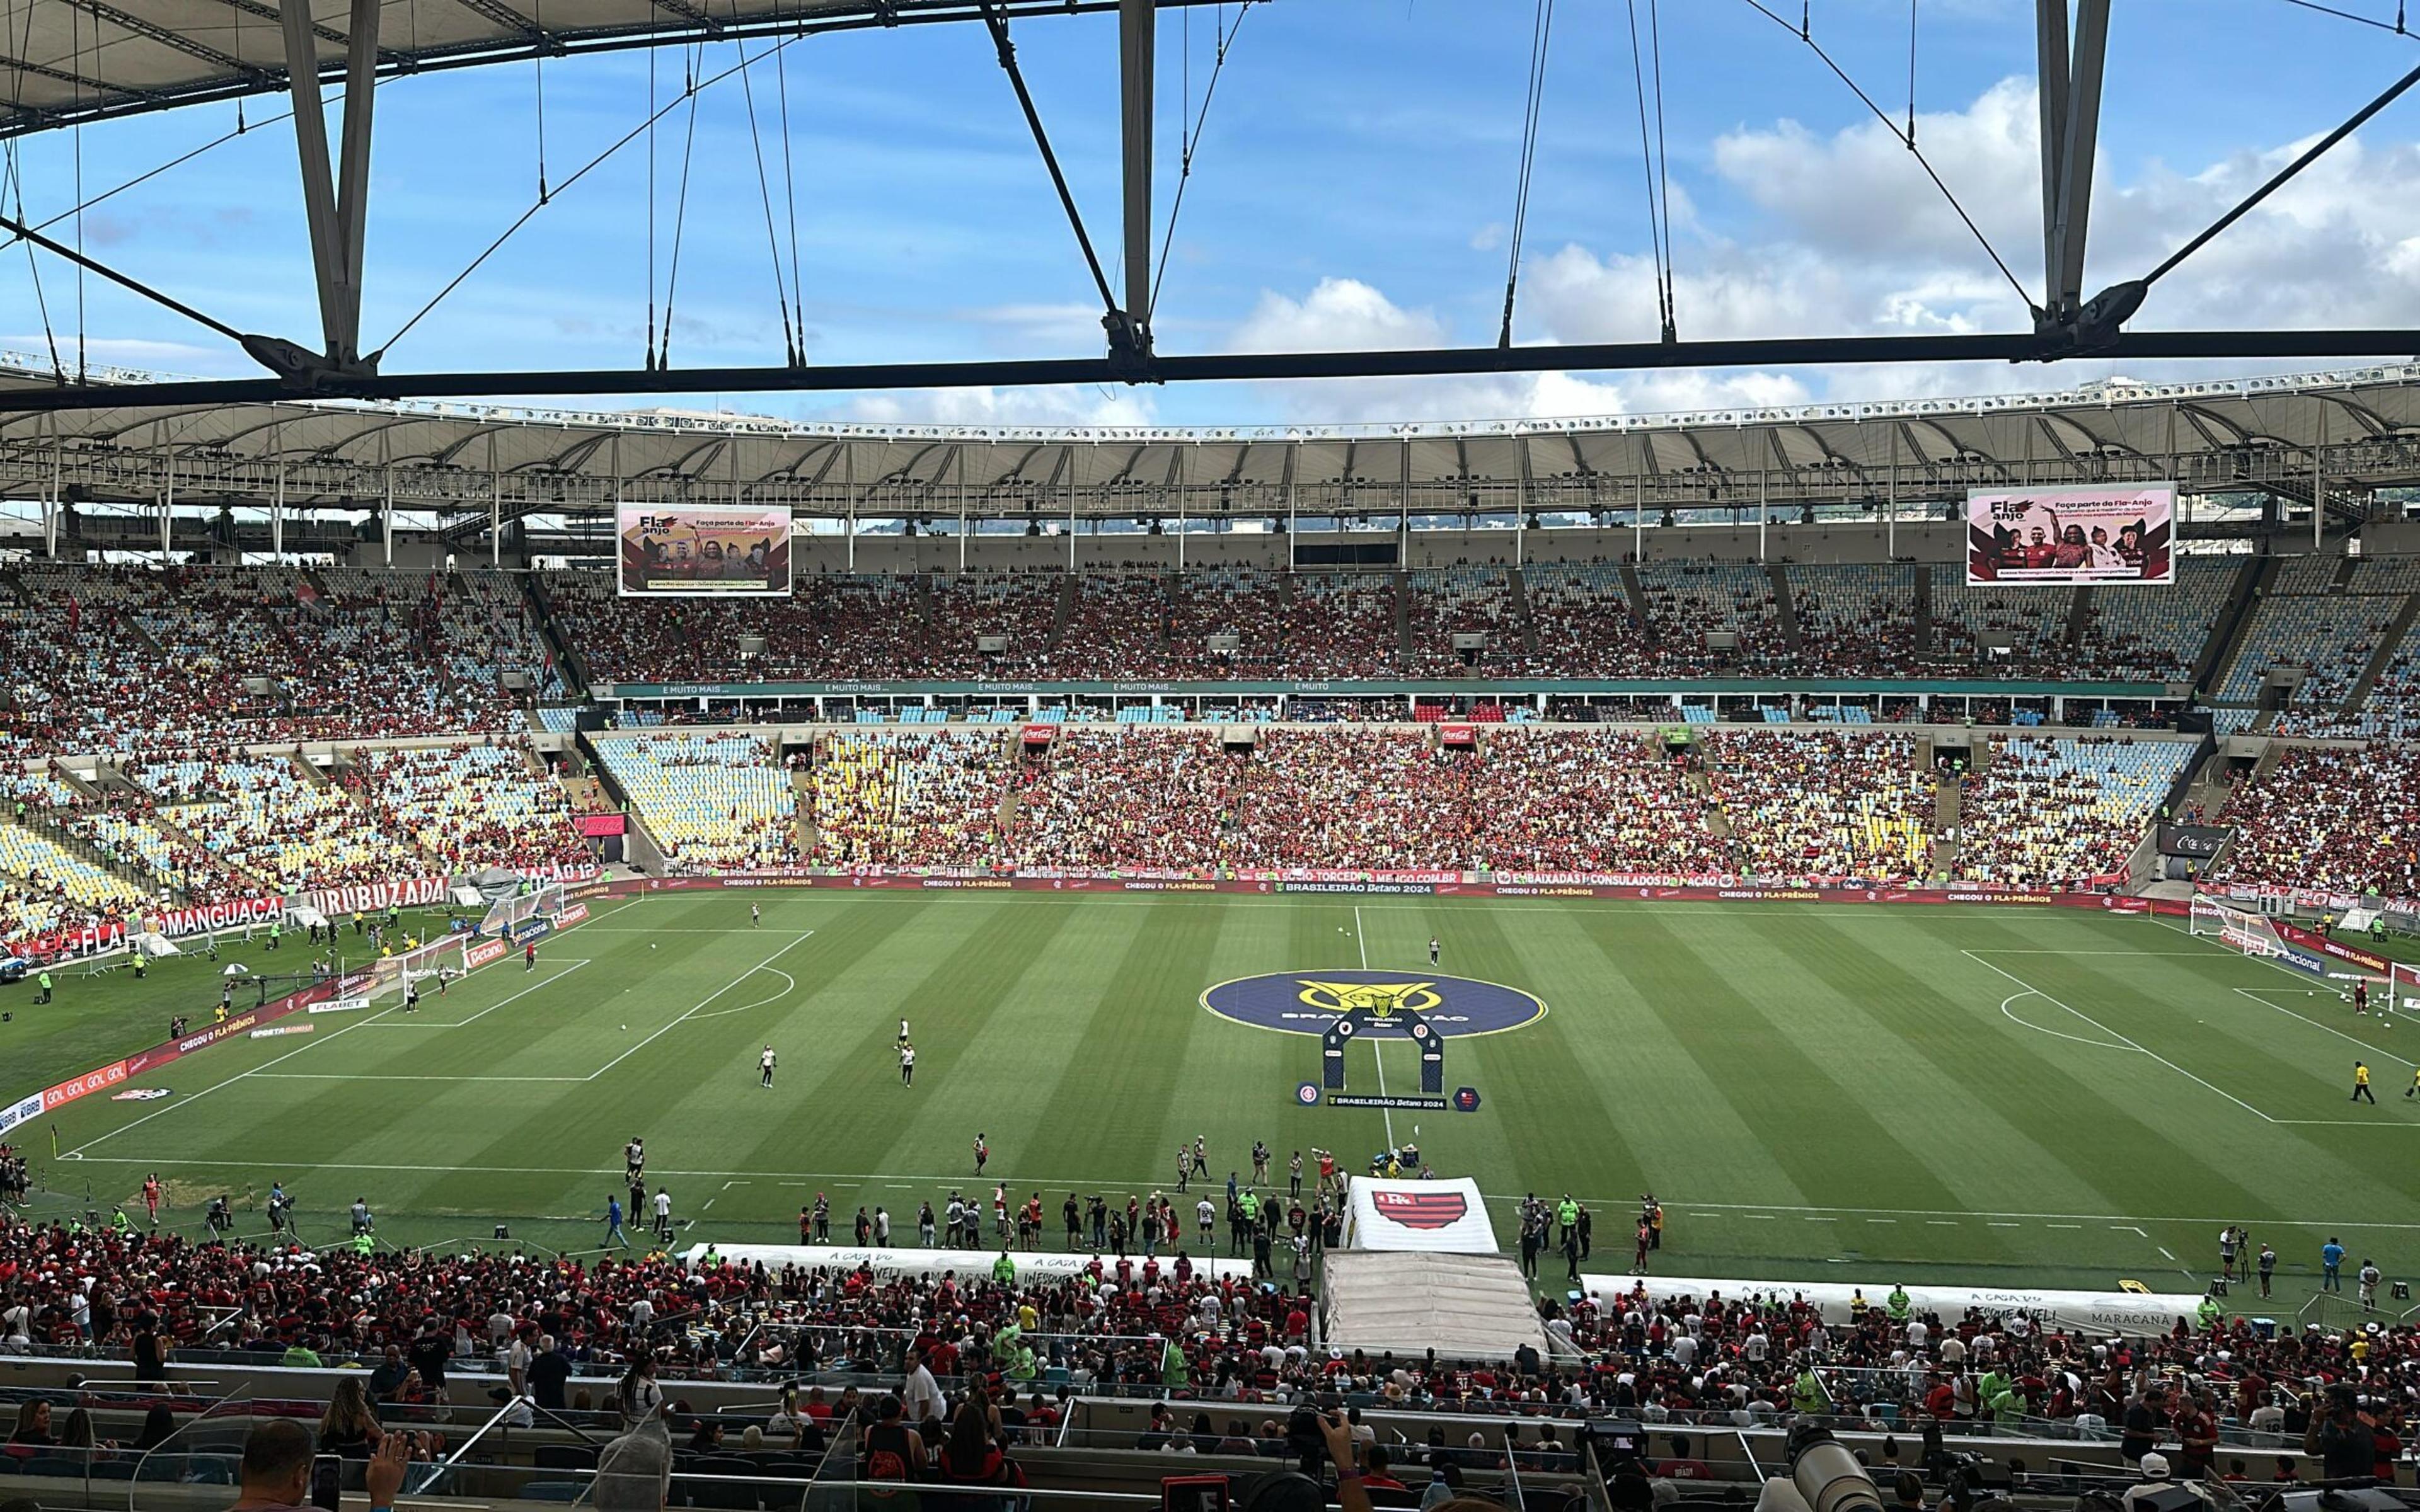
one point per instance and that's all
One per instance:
(2056, 1034)
(2260, 996)
(702, 1002)
(1375, 1053)
(2066, 1225)
(2163, 1250)
(790, 986)
(1940, 1223)
(2115, 1035)
(1881, 1220)
(1998, 1225)
(2128, 1228)
(568, 967)
(368, 1077)
(188, 1102)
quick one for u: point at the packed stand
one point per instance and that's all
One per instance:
(1586, 800)
(469, 806)
(2328, 818)
(2056, 811)
(1827, 807)
(908, 799)
(1339, 624)
(1217, 601)
(1117, 628)
(1110, 798)
(1585, 624)
(1356, 799)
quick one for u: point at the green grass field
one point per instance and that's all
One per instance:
(1990, 1096)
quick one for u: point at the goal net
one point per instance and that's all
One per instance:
(390, 975)
(2240, 928)
(534, 901)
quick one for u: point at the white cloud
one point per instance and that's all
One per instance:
(1338, 315)
(1001, 406)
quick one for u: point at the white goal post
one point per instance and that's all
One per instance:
(2241, 929)
(543, 901)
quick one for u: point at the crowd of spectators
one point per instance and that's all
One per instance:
(468, 807)
(908, 798)
(1584, 800)
(2057, 812)
(265, 821)
(1823, 806)
(1107, 797)
(2334, 819)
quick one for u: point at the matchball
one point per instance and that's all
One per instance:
(651, 945)
(626, 1029)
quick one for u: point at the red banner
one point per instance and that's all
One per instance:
(214, 916)
(2313, 940)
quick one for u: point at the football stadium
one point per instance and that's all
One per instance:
(1752, 896)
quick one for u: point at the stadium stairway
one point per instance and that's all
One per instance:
(1948, 812)
(1062, 611)
(1517, 593)
(2079, 618)
(1785, 607)
(1398, 585)
(2227, 635)
(2387, 645)
(574, 667)
(1637, 593)
(1920, 610)
(802, 787)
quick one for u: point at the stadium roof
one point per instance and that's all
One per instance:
(2362, 424)
(90, 59)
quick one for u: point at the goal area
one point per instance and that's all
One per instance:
(2393, 985)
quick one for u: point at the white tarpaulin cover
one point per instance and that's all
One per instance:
(1464, 1306)
(1441, 1217)
(2097, 1313)
(967, 1263)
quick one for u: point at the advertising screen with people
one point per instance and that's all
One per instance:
(704, 550)
(2071, 536)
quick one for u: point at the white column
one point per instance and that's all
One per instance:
(1764, 506)
(278, 516)
(1891, 507)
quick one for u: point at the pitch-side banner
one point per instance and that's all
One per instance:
(704, 551)
(1448, 1217)
(2071, 536)
(2098, 1314)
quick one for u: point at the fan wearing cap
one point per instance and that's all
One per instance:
(2157, 1489)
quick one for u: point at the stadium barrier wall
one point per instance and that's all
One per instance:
(349, 986)
(2094, 1313)
(973, 1264)
(1422, 884)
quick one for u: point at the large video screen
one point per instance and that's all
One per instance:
(704, 550)
(2072, 536)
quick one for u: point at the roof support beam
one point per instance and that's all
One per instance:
(2070, 128)
(335, 198)
(1138, 37)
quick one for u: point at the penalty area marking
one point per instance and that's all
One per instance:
(789, 987)
(2057, 1034)
(570, 965)
(2104, 1028)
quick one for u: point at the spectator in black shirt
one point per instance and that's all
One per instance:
(429, 1354)
(2147, 1418)
(547, 1372)
(388, 1378)
(2339, 1436)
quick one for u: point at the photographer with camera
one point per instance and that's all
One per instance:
(2340, 1436)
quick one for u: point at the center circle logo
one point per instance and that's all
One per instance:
(1387, 1005)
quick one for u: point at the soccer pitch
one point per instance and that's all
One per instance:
(1988, 1096)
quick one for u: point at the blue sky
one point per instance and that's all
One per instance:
(1352, 188)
